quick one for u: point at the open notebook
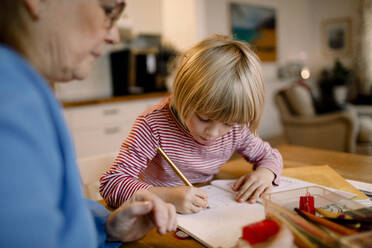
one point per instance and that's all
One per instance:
(221, 224)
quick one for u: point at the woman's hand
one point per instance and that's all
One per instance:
(186, 199)
(135, 217)
(251, 186)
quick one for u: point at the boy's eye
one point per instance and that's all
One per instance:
(203, 119)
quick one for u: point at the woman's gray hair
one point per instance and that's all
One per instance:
(13, 24)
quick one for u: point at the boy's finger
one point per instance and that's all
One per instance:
(202, 194)
(196, 209)
(254, 197)
(266, 190)
(244, 188)
(245, 195)
(237, 184)
(200, 202)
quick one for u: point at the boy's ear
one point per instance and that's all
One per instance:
(33, 6)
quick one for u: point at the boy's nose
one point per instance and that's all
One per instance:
(212, 132)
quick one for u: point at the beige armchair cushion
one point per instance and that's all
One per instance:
(335, 131)
(300, 100)
(365, 131)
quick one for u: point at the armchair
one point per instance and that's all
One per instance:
(365, 132)
(302, 126)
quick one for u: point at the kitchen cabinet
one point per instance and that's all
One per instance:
(101, 128)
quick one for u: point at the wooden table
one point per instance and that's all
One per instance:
(350, 166)
(356, 167)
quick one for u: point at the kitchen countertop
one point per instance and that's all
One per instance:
(114, 99)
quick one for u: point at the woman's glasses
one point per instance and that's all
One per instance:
(113, 10)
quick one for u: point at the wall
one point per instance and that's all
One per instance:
(179, 22)
(330, 9)
(299, 37)
(143, 16)
(293, 21)
(185, 22)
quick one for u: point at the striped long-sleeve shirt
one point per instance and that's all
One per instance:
(138, 165)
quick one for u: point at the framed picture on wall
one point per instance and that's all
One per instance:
(337, 37)
(257, 26)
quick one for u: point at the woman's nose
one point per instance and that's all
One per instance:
(113, 36)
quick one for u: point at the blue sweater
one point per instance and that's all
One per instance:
(40, 188)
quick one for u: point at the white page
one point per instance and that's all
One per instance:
(286, 183)
(225, 184)
(220, 225)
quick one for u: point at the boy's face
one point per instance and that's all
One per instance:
(205, 130)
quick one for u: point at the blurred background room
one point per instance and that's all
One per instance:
(316, 58)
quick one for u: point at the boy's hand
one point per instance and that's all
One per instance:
(251, 186)
(186, 199)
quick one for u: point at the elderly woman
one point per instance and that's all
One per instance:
(42, 204)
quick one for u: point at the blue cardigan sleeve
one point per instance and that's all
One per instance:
(100, 215)
(31, 174)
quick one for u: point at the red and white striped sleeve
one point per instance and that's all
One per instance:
(260, 154)
(120, 182)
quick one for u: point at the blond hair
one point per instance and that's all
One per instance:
(221, 79)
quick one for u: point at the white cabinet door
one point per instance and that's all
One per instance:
(98, 140)
(100, 129)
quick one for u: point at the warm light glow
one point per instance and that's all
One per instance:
(305, 73)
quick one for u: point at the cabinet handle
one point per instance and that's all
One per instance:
(110, 111)
(111, 130)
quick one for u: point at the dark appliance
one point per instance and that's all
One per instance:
(146, 69)
(120, 72)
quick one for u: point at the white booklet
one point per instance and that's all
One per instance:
(221, 224)
(286, 183)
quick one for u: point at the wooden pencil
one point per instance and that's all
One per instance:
(304, 224)
(331, 225)
(327, 214)
(174, 167)
(300, 238)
